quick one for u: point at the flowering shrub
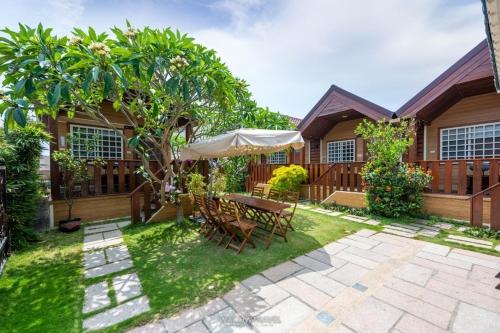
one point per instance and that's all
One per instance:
(288, 178)
(393, 188)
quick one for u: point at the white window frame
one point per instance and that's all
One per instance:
(470, 146)
(330, 156)
(99, 149)
(277, 158)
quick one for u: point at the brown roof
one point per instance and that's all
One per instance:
(294, 120)
(470, 75)
(336, 105)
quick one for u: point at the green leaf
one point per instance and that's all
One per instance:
(119, 73)
(95, 73)
(29, 87)
(22, 102)
(19, 86)
(185, 91)
(108, 83)
(172, 85)
(86, 83)
(65, 93)
(54, 96)
(134, 142)
(20, 117)
(8, 119)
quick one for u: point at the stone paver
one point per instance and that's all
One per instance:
(96, 245)
(373, 316)
(93, 259)
(473, 319)
(413, 273)
(333, 248)
(365, 233)
(264, 288)
(412, 324)
(112, 234)
(334, 213)
(246, 303)
(305, 292)
(190, 316)
(320, 282)
(281, 271)
(370, 255)
(117, 314)
(352, 242)
(226, 320)
(470, 240)
(436, 249)
(387, 249)
(451, 240)
(117, 253)
(349, 274)
(445, 260)
(99, 228)
(96, 297)
(314, 265)
(198, 327)
(354, 218)
(123, 224)
(126, 286)
(399, 231)
(440, 267)
(155, 327)
(92, 238)
(474, 260)
(283, 316)
(360, 261)
(108, 268)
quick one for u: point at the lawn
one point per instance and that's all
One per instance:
(41, 289)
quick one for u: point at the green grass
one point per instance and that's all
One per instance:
(41, 289)
(179, 268)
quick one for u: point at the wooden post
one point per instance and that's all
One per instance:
(109, 177)
(476, 210)
(495, 209)
(147, 201)
(462, 177)
(447, 176)
(477, 176)
(97, 180)
(136, 207)
(121, 176)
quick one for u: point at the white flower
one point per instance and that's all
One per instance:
(178, 63)
(130, 32)
(76, 40)
(99, 48)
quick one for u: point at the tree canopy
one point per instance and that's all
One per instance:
(161, 81)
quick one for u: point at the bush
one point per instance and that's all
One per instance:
(393, 188)
(236, 171)
(217, 184)
(21, 148)
(195, 183)
(288, 178)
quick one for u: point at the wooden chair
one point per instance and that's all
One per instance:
(286, 215)
(217, 230)
(198, 203)
(244, 226)
(275, 195)
(258, 191)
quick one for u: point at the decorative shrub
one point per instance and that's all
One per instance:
(21, 149)
(393, 188)
(217, 183)
(288, 178)
(195, 183)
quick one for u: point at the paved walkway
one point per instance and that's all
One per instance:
(365, 282)
(105, 256)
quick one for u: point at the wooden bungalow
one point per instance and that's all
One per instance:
(458, 140)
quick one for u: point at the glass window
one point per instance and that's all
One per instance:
(277, 158)
(91, 142)
(468, 142)
(340, 151)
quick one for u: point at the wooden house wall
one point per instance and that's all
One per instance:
(344, 130)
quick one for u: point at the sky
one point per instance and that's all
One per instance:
(291, 51)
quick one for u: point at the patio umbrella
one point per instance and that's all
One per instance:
(243, 141)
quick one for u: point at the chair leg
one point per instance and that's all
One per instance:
(231, 238)
(241, 246)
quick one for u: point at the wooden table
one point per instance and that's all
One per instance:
(268, 209)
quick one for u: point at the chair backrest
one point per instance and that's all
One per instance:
(198, 200)
(258, 191)
(275, 195)
(292, 198)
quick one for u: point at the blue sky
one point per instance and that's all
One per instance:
(290, 51)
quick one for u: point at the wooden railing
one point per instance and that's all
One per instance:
(115, 177)
(476, 207)
(461, 177)
(261, 173)
(338, 177)
(144, 199)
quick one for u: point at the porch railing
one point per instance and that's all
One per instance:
(338, 177)
(461, 177)
(115, 177)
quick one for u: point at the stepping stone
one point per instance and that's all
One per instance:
(246, 303)
(117, 314)
(190, 316)
(349, 274)
(425, 226)
(102, 244)
(314, 265)
(334, 213)
(321, 210)
(399, 232)
(428, 233)
(444, 225)
(284, 316)
(436, 249)
(96, 297)
(371, 222)
(473, 319)
(117, 253)
(123, 224)
(265, 289)
(92, 238)
(461, 229)
(497, 248)
(112, 234)
(471, 240)
(154, 327)
(413, 273)
(96, 229)
(227, 320)
(198, 327)
(373, 316)
(467, 243)
(405, 226)
(320, 282)
(365, 233)
(126, 287)
(93, 259)
(354, 218)
(305, 292)
(108, 268)
(281, 271)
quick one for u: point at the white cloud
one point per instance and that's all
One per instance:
(385, 51)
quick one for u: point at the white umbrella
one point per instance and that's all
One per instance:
(243, 141)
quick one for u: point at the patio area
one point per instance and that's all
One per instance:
(365, 282)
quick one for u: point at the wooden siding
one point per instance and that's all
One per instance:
(345, 131)
(314, 156)
(471, 110)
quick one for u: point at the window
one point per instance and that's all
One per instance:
(277, 158)
(478, 141)
(340, 151)
(90, 142)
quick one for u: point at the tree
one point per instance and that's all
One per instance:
(393, 188)
(161, 81)
(21, 148)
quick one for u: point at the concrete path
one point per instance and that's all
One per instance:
(365, 282)
(106, 254)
